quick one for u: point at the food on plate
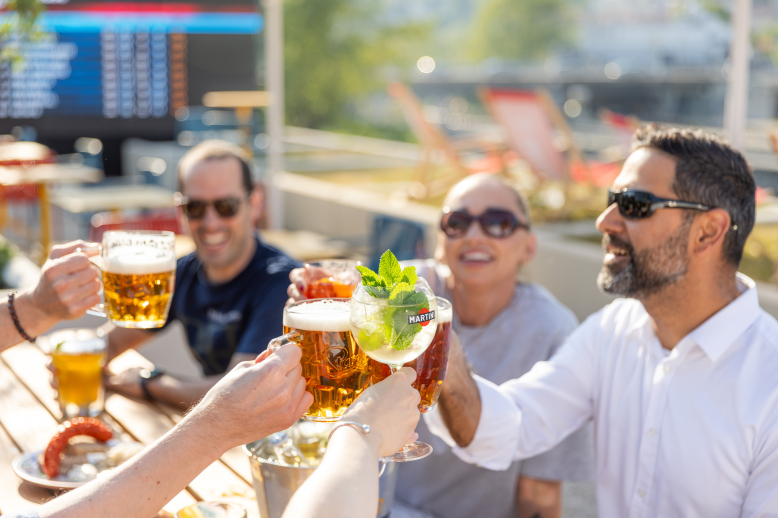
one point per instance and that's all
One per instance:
(79, 450)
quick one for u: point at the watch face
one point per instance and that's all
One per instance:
(151, 374)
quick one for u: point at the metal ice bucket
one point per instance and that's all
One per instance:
(275, 484)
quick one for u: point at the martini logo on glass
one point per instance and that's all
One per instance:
(424, 317)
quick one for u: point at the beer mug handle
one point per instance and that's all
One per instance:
(290, 337)
(97, 310)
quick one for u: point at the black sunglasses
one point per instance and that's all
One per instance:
(496, 223)
(641, 204)
(195, 209)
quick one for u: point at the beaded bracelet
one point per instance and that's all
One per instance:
(15, 318)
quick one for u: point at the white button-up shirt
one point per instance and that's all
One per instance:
(691, 432)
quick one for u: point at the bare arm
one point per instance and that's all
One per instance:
(539, 498)
(350, 466)
(460, 401)
(169, 389)
(67, 287)
(121, 339)
(252, 401)
(185, 393)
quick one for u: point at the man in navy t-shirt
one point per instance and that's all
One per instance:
(230, 293)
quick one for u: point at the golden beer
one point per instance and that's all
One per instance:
(139, 273)
(431, 366)
(335, 369)
(78, 357)
(138, 300)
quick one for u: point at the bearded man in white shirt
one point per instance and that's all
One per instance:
(679, 376)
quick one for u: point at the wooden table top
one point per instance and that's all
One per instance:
(29, 417)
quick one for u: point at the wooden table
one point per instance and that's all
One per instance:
(29, 416)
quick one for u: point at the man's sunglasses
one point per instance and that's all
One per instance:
(641, 204)
(195, 209)
(494, 222)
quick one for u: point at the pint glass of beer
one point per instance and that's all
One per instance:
(432, 365)
(139, 273)
(336, 371)
(330, 278)
(78, 356)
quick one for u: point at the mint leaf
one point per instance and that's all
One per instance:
(389, 268)
(409, 275)
(403, 301)
(370, 278)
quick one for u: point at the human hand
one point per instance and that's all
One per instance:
(301, 278)
(68, 286)
(87, 247)
(391, 410)
(255, 399)
(126, 383)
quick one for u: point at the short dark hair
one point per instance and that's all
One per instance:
(710, 171)
(215, 150)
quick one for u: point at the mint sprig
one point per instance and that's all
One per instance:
(397, 286)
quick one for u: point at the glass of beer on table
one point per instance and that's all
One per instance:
(432, 365)
(330, 278)
(139, 274)
(78, 357)
(336, 371)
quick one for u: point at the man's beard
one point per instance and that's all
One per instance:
(649, 271)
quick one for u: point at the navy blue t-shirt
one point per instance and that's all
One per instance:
(239, 316)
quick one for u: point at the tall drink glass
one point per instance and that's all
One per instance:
(432, 365)
(78, 357)
(336, 371)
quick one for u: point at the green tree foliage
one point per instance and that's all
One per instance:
(520, 29)
(17, 27)
(336, 51)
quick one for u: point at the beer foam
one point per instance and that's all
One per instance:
(138, 261)
(444, 315)
(320, 315)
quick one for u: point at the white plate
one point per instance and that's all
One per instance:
(26, 466)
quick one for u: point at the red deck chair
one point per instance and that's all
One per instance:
(533, 125)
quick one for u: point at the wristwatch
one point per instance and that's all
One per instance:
(148, 375)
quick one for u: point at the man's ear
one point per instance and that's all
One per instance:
(257, 202)
(711, 228)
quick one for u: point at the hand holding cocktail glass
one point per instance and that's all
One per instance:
(392, 315)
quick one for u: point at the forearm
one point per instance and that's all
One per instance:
(539, 498)
(145, 483)
(181, 393)
(34, 321)
(121, 339)
(351, 462)
(460, 403)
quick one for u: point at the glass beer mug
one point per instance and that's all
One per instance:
(139, 274)
(336, 371)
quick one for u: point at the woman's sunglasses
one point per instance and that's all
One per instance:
(494, 222)
(195, 209)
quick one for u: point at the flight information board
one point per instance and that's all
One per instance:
(132, 61)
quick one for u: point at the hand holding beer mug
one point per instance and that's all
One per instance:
(336, 371)
(139, 273)
(77, 359)
(392, 315)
